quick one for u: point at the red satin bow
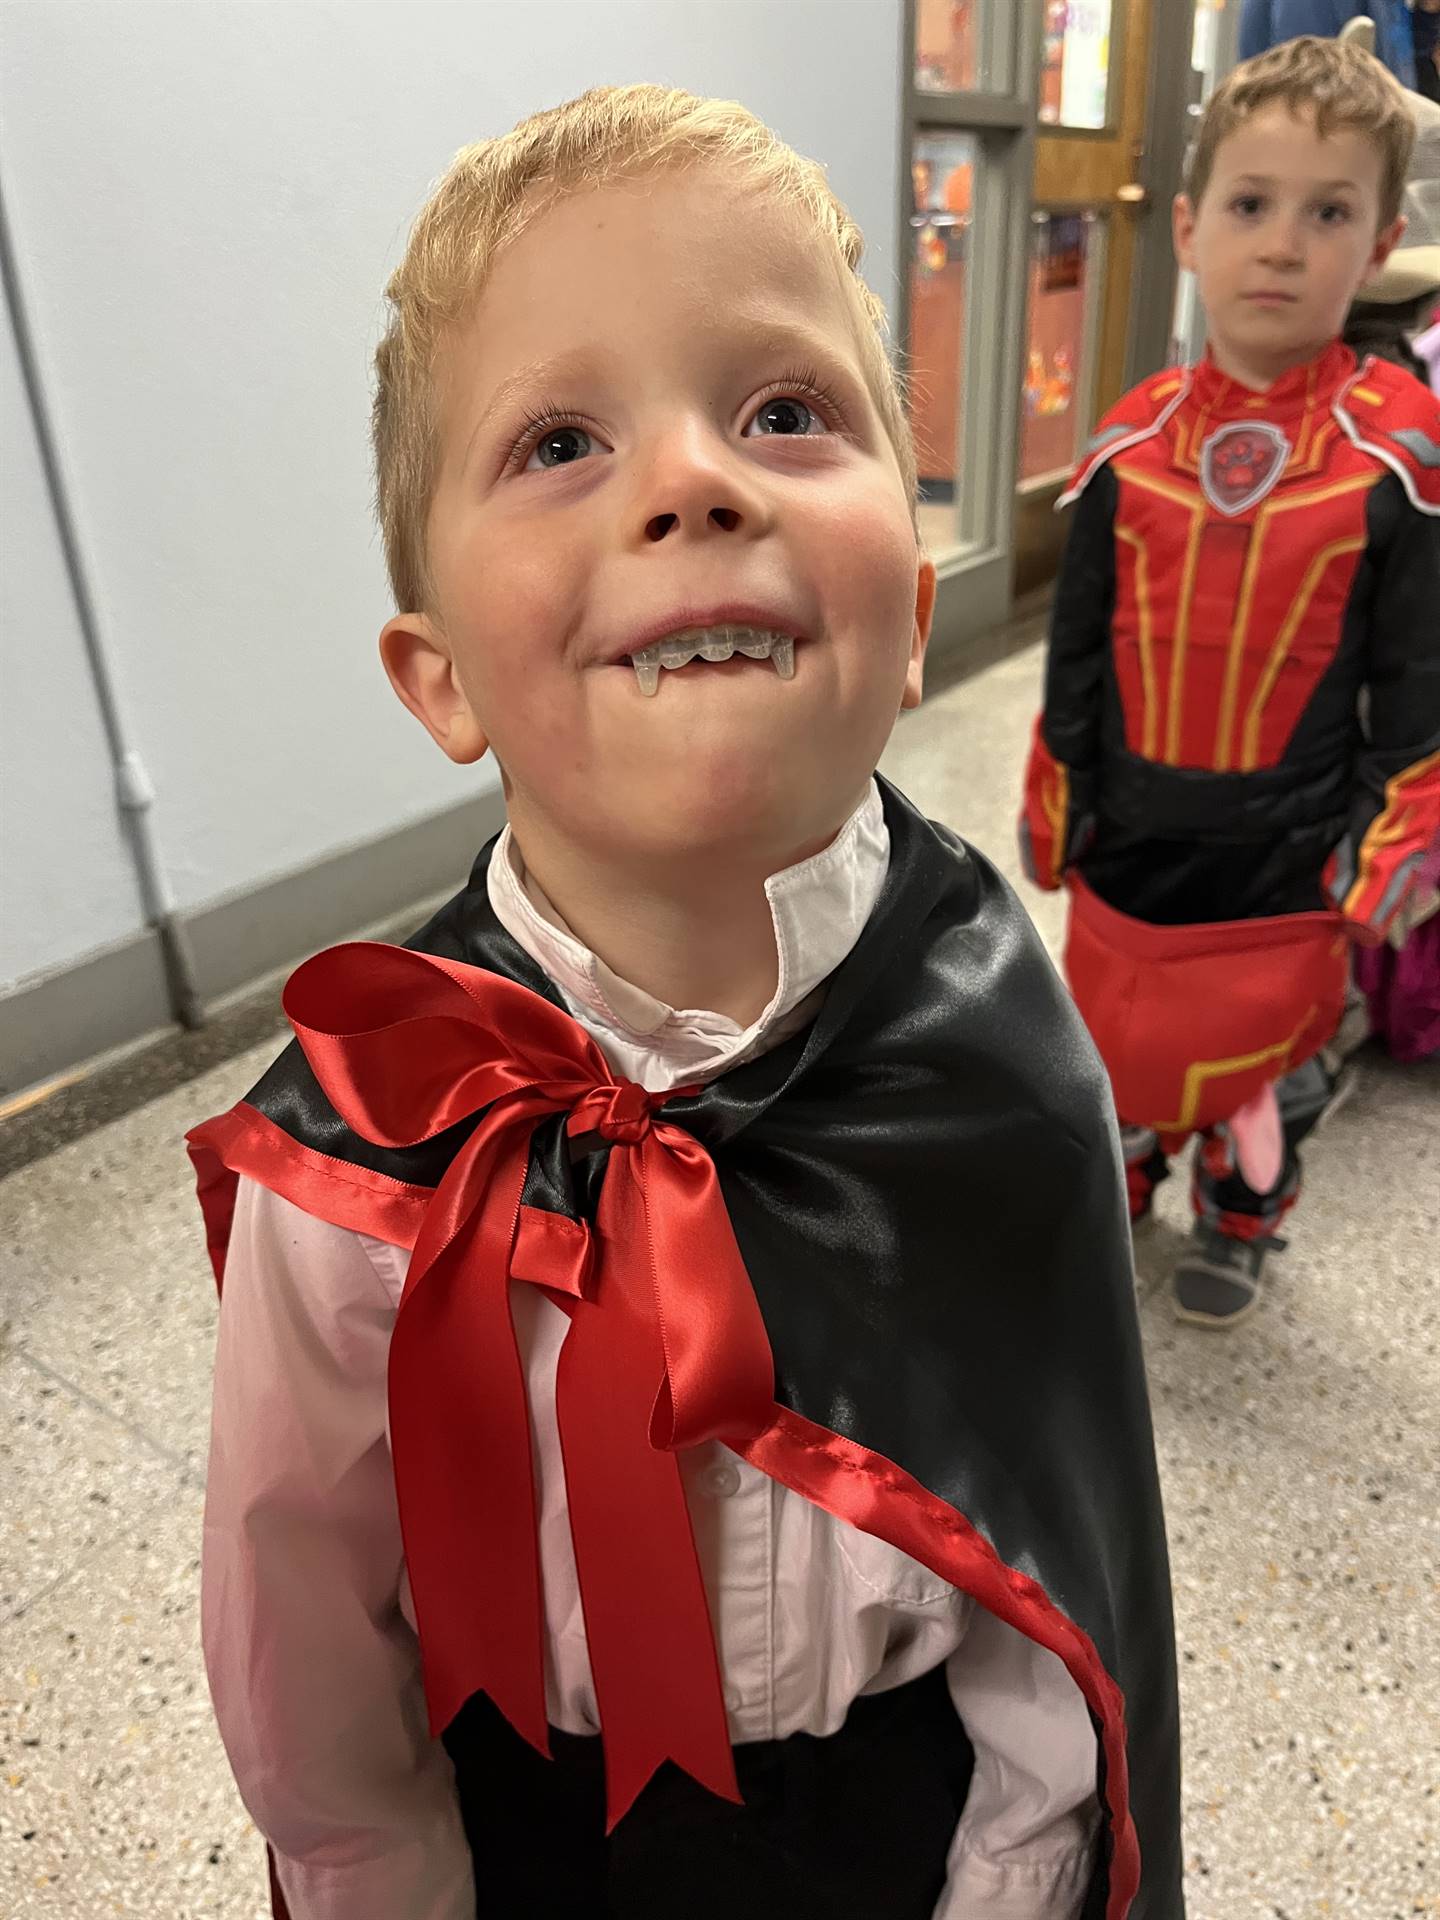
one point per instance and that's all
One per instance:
(666, 1349)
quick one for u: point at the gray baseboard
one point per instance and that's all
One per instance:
(116, 997)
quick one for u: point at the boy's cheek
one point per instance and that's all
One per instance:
(878, 580)
(873, 563)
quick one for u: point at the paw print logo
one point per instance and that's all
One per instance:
(1240, 464)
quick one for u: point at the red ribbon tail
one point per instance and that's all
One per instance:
(647, 1619)
(629, 1770)
(462, 1456)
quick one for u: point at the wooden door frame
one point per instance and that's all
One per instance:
(1098, 161)
(1096, 165)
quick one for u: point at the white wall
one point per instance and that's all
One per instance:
(207, 196)
(67, 882)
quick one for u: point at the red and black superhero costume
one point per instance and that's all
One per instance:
(833, 1257)
(1238, 761)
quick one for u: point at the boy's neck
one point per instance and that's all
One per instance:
(1258, 374)
(696, 933)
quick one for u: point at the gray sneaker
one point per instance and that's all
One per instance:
(1216, 1282)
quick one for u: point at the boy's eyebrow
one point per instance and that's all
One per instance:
(796, 336)
(1268, 180)
(531, 375)
(768, 336)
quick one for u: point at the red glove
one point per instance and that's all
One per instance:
(1371, 888)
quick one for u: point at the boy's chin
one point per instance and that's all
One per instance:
(732, 809)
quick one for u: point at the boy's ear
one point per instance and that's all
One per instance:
(1182, 229)
(1386, 242)
(422, 673)
(920, 636)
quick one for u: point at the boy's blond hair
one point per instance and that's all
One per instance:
(1339, 84)
(492, 191)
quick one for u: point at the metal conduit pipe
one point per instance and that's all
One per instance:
(134, 793)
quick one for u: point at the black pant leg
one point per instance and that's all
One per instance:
(853, 1827)
(857, 1826)
(536, 1827)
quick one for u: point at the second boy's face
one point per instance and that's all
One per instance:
(1285, 234)
(657, 425)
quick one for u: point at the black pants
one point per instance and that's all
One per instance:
(854, 1827)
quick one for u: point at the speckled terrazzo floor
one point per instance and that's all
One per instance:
(1300, 1468)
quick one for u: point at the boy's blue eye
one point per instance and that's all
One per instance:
(1333, 214)
(560, 446)
(1247, 204)
(784, 415)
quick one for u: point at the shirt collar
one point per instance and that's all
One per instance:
(817, 908)
(1221, 398)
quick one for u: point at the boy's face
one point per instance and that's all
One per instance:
(1286, 232)
(657, 421)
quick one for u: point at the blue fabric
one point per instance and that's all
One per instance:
(1265, 23)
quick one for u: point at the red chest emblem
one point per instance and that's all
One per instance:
(1239, 464)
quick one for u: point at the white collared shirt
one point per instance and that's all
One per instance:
(308, 1627)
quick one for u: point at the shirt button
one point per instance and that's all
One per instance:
(722, 1481)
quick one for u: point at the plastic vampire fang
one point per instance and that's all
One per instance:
(712, 643)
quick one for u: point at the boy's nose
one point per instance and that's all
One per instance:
(1280, 244)
(695, 487)
(727, 519)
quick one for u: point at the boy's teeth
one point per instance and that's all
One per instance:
(677, 650)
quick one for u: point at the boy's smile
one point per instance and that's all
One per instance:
(676, 580)
(1285, 234)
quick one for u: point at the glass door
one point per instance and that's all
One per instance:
(965, 193)
(1087, 205)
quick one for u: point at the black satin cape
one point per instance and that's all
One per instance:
(925, 1188)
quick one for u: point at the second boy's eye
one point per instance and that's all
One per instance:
(559, 447)
(784, 415)
(1246, 204)
(1333, 214)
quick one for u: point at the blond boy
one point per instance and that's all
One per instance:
(1237, 769)
(665, 1457)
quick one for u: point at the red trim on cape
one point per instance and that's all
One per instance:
(846, 1480)
(244, 1140)
(873, 1494)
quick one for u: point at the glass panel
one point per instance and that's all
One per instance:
(942, 176)
(1075, 63)
(1055, 361)
(946, 46)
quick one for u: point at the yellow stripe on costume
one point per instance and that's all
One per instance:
(1250, 754)
(1056, 804)
(1150, 718)
(1203, 1071)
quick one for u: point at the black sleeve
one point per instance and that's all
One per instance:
(1080, 628)
(1402, 669)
